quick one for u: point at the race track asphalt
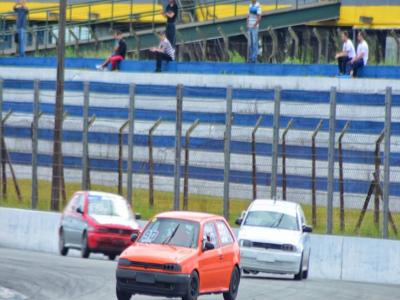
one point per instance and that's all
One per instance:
(42, 276)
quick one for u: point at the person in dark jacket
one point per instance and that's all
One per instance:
(21, 10)
(118, 55)
(171, 13)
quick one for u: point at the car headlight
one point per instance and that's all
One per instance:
(289, 248)
(172, 267)
(245, 243)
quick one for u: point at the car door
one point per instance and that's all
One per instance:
(68, 220)
(209, 262)
(305, 237)
(78, 222)
(227, 250)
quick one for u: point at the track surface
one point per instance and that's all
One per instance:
(50, 277)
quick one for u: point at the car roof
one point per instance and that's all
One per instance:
(275, 205)
(103, 194)
(187, 215)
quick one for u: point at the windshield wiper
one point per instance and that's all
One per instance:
(168, 239)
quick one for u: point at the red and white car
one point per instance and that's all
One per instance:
(97, 222)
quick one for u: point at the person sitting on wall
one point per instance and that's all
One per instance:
(118, 55)
(361, 59)
(347, 54)
(164, 51)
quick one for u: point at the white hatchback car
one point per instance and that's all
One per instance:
(274, 238)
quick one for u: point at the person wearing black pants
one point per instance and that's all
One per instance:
(361, 59)
(347, 54)
(164, 51)
(171, 12)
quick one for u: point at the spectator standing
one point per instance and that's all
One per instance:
(171, 12)
(164, 51)
(118, 55)
(253, 22)
(347, 54)
(361, 59)
(21, 10)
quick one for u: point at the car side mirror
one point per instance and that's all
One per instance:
(208, 246)
(79, 210)
(239, 221)
(307, 229)
(134, 237)
(138, 216)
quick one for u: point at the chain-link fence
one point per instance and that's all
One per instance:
(324, 149)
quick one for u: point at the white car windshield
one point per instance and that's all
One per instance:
(107, 206)
(271, 219)
(168, 231)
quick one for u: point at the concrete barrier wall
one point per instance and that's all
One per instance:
(332, 257)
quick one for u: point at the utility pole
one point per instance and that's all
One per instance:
(58, 115)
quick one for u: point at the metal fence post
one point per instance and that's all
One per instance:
(341, 177)
(120, 156)
(331, 160)
(314, 174)
(275, 141)
(386, 170)
(151, 163)
(285, 132)
(35, 125)
(186, 168)
(377, 158)
(131, 130)
(227, 149)
(85, 133)
(178, 145)
(1, 123)
(254, 156)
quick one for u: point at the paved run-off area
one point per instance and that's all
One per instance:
(47, 277)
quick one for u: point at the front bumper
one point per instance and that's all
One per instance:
(270, 261)
(152, 283)
(108, 243)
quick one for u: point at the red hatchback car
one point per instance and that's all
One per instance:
(97, 222)
(181, 254)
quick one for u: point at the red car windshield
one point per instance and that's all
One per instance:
(168, 231)
(108, 206)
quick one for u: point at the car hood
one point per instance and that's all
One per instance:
(115, 221)
(269, 235)
(159, 254)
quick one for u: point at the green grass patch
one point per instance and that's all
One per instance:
(163, 201)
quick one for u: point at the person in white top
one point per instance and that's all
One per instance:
(361, 59)
(253, 22)
(346, 55)
(164, 51)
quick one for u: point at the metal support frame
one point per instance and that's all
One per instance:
(151, 162)
(377, 161)
(131, 131)
(227, 149)
(121, 156)
(274, 51)
(226, 43)
(186, 167)
(319, 40)
(396, 38)
(386, 169)
(254, 155)
(285, 132)
(314, 174)
(331, 160)
(296, 42)
(341, 177)
(275, 140)
(178, 145)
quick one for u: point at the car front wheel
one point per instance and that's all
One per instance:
(233, 286)
(61, 244)
(85, 251)
(193, 288)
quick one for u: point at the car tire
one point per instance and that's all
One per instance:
(233, 285)
(305, 273)
(299, 276)
(111, 256)
(85, 251)
(122, 295)
(193, 287)
(61, 244)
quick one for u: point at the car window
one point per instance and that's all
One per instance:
(271, 219)
(171, 231)
(73, 203)
(224, 233)
(80, 201)
(104, 205)
(210, 235)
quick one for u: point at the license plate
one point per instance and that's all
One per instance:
(145, 278)
(266, 258)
